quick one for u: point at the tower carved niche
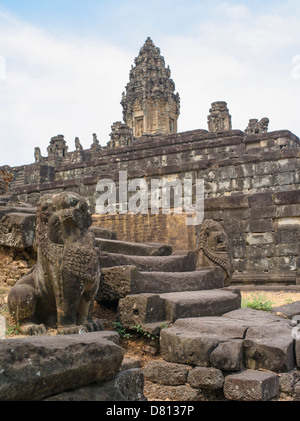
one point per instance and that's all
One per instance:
(150, 104)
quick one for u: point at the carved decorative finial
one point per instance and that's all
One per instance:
(257, 127)
(219, 119)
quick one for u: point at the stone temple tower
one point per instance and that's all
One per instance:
(150, 105)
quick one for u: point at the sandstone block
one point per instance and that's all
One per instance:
(192, 340)
(228, 356)
(140, 309)
(36, 367)
(170, 374)
(288, 310)
(17, 230)
(135, 249)
(173, 263)
(199, 303)
(103, 233)
(270, 347)
(251, 385)
(125, 386)
(206, 377)
(117, 282)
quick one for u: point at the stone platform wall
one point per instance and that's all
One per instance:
(251, 186)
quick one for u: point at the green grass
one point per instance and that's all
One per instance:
(258, 302)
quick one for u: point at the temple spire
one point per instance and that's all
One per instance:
(150, 105)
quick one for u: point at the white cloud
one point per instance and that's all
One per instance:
(71, 85)
(54, 86)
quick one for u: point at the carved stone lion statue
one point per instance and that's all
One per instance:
(60, 288)
(213, 249)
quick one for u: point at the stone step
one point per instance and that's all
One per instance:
(134, 249)
(145, 309)
(201, 303)
(167, 282)
(106, 233)
(119, 281)
(18, 209)
(174, 263)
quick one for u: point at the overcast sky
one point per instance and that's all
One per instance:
(64, 65)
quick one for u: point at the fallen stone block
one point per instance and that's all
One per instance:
(200, 303)
(206, 377)
(17, 230)
(288, 310)
(251, 385)
(169, 374)
(36, 367)
(228, 356)
(192, 340)
(103, 233)
(134, 249)
(140, 309)
(270, 347)
(125, 386)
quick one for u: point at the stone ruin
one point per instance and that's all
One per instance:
(211, 348)
(186, 293)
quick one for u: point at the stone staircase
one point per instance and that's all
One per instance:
(155, 287)
(201, 325)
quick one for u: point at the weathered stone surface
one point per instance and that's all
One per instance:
(192, 340)
(200, 303)
(241, 338)
(17, 230)
(186, 393)
(288, 310)
(129, 363)
(139, 309)
(117, 282)
(125, 386)
(251, 385)
(206, 377)
(135, 249)
(36, 367)
(174, 263)
(161, 282)
(100, 232)
(270, 347)
(228, 356)
(170, 374)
